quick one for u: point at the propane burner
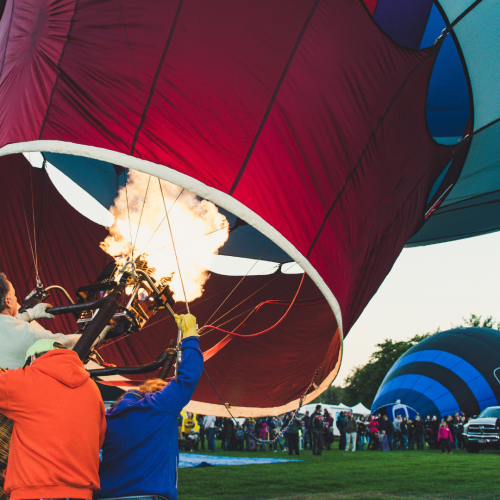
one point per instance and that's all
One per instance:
(143, 296)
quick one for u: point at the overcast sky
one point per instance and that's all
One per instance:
(428, 287)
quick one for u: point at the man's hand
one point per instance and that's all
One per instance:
(102, 335)
(37, 312)
(187, 323)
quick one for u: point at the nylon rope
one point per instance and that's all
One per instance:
(193, 238)
(266, 330)
(173, 244)
(34, 227)
(159, 225)
(25, 218)
(140, 218)
(237, 285)
(128, 211)
(284, 429)
(239, 304)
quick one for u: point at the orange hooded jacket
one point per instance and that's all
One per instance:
(59, 427)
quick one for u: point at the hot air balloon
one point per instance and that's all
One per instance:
(452, 371)
(303, 128)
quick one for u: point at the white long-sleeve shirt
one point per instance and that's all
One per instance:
(17, 336)
(209, 422)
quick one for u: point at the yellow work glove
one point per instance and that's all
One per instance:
(187, 324)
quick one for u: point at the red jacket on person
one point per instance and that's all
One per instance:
(59, 427)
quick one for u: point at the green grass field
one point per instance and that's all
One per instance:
(339, 475)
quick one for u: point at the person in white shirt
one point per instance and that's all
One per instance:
(18, 332)
(209, 424)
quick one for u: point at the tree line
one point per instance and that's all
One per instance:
(363, 382)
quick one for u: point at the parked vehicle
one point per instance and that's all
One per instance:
(480, 433)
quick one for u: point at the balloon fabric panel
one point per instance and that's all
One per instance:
(67, 243)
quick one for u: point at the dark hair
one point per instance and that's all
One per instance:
(318, 407)
(4, 290)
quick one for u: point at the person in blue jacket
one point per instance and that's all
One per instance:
(140, 454)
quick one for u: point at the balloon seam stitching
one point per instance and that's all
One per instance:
(8, 38)
(155, 79)
(370, 139)
(49, 105)
(273, 98)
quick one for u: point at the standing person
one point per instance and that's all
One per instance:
(240, 438)
(263, 435)
(49, 457)
(327, 418)
(293, 437)
(373, 429)
(279, 426)
(419, 432)
(188, 424)
(286, 421)
(18, 332)
(388, 427)
(141, 453)
(435, 431)
(200, 418)
(317, 430)
(445, 437)
(450, 422)
(209, 426)
(384, 442)
(273, 433)
(350, 428)
(227, 432)
(180, 421)
(459, 430)
(411, 435)
(397, 431)
(307, 435)
(362, 428)
(340, 427)
(404, 429)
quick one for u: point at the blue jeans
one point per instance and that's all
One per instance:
(362, 441)
(390, 440)
(211, 439)
(225, 444)
(404, 441)
(276, 444)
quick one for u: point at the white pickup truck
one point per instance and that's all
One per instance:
(481, 433)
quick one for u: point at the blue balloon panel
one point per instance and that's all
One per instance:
(479, 36)
(454, 8)
(445, 373)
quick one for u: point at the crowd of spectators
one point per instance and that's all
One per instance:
(406, 434)
(317, 432)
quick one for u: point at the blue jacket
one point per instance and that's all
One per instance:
(140, 454)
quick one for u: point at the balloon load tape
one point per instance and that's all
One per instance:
(142, 298)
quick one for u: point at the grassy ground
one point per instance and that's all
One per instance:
(340, 475)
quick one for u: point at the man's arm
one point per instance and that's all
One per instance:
(176, 395)
(39, 333)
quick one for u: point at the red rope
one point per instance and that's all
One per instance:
(256, 308)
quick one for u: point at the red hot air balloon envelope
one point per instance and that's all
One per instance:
(302, 120)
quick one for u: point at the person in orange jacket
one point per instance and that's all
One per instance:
(59, 425)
